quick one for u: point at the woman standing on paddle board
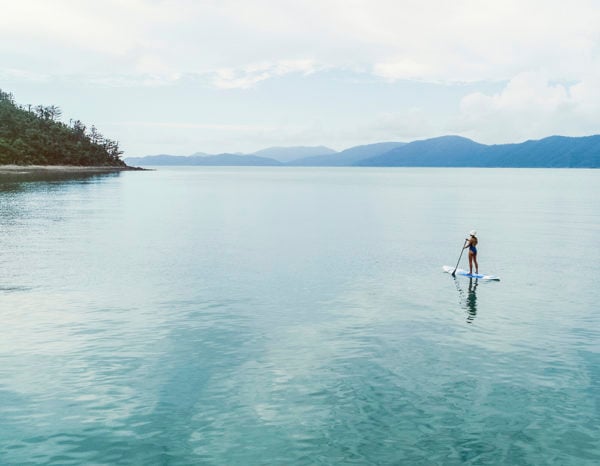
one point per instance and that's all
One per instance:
(471, 243)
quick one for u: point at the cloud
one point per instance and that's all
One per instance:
(229, 78)
(531, 106)
(79, 37)
(401, 69)
(432, 40)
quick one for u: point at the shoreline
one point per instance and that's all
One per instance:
(26, 169)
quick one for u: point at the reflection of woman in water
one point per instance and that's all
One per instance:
(471, 300)
(468, 300)
(472, 245)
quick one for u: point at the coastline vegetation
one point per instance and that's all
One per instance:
(34, 135)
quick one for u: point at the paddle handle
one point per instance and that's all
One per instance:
(459, 257)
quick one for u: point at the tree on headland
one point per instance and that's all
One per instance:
(34, 135)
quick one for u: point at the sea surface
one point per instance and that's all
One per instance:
(300, 316)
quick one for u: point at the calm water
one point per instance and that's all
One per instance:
(228, 316)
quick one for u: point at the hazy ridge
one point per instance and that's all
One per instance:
(445, 151)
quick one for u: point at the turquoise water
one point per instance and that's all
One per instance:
(242, 316)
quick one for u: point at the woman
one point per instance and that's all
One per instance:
(471, 243)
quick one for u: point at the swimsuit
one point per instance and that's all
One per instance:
(473, 249)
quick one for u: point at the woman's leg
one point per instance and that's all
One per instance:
(470, 262)
(476, 264)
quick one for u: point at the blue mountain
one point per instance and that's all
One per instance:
(347, 157)
(456, 151)
(287, 154)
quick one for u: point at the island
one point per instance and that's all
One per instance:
(32, 138)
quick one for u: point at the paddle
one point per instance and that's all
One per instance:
(461, 251)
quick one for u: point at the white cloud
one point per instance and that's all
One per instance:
(401, 69)
(531, 106)
(78, 37)
(434, 40)
(229, 78)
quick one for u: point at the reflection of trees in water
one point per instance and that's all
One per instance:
(16, 189)
(468, 298)
(45, 180)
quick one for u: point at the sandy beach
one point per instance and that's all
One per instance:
(33, 169)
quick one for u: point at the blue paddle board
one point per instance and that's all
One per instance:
(464, 273)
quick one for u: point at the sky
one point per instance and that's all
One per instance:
(213, 76)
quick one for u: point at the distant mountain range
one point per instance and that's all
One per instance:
(288, 154)
(347, 157)
(201, 160)
(445, 151)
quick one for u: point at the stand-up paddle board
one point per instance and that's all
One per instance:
(464, 273)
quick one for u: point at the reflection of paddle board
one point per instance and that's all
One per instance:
(464, 273)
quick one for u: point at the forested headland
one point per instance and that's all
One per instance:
(34, 135)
